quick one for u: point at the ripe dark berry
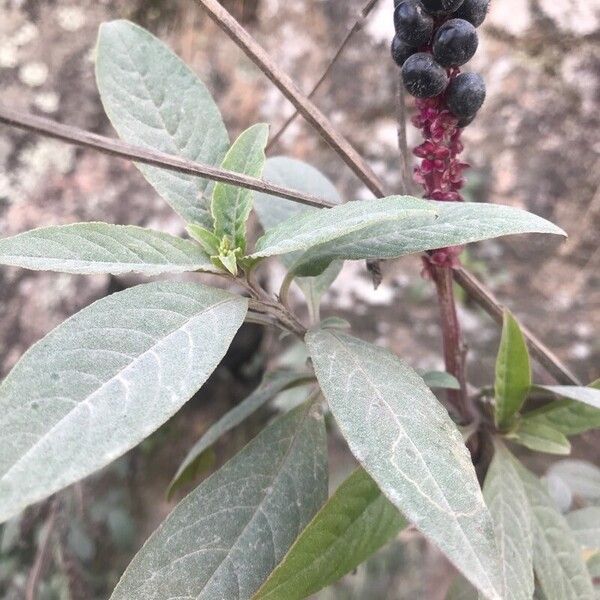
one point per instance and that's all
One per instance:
(401, 51)
(413, 25)
(455, 43)
(465, 121)
(441, 7)
(465, 94)
(423, 77)
(473, 11)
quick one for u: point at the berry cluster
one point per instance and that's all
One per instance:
(434, 38)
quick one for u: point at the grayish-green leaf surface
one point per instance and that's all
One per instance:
(154, 100)
(585, 395)
(513, 372)
(223, 540)
(308, 229)
(506, 498)
(268, 389)
(88, 248)
(231, 205)
(440, 380)
(540, 437)
(407, 442)
(271, 211)
(557, 559)
(457, 223)
(585, 524)
(104, 380)
(582, 477)
(356, 521)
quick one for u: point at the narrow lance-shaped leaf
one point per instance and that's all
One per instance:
(308, 229)
(231, 205)
(88, 248)
(407, 442)
(457, 223)
(154, 100)
(559, 566)
(540, 438)
(506, 498)
(585, 524)
(198, 458)
(224, 539)
(104, 380)
(272, 211)
(513, 372)
(567, 416)
(585, 395)
(356, 521)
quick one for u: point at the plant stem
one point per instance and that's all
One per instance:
(454, 348)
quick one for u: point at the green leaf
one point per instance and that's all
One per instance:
(231, 205)
(406, 441)
(585, 524)
(356, 521)
(224, 539)
(271, 211)
(557, 560)
(585, 395)
(582, 477)
(196, 459)
(154, 100)
(513, 372)
(567, 416)
(506, 498)
(104, 380)
(88, 248)
(540, 437)
(308, 229)
(457, 223)
(440, 380)
(207, 239)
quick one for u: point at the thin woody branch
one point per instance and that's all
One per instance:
(80, 137)
(72, 135)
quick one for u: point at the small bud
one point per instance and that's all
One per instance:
(423, 77)
(455, 43)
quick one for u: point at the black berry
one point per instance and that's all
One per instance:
(401, 51)
(473, 11)
(465, 94)
(423, 77)
(455, 43)
(413, 25)
(441, 7)
(465, 121)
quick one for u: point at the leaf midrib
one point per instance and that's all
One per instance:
(83, 402)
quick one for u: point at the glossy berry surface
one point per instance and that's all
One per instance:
(441, 7)
(423, 77)
(413, 25)
(455, 43)
(465, 121)
(473, 11)
(401, 51)
(465, 94)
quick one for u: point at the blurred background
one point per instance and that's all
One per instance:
(535, 145)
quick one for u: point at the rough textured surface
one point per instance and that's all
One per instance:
(406, 441)
(224, 539)
(106, 379)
